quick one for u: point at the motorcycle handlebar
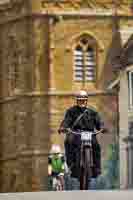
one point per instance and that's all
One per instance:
(69, 131)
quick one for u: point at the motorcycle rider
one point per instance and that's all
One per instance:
(89, 120)
(56, 164)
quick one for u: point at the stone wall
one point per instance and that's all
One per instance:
(40, 45)
(24, 116)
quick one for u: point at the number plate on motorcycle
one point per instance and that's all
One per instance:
(86, 136)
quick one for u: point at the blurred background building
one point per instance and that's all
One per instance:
(48, 51)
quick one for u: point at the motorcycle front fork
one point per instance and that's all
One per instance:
(82, 156)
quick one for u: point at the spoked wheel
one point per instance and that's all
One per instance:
(85, 170)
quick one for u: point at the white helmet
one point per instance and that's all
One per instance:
(55, 149)
(82, 94)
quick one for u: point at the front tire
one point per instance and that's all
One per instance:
(86, 169)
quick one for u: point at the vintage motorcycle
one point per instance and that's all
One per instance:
(86, 155)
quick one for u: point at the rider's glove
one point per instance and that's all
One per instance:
(60, 130)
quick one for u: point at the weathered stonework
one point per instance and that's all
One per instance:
(70, 5)
(39, 40)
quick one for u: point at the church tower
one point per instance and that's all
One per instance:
(49, 50)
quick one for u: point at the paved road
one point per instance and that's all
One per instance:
(73, 195)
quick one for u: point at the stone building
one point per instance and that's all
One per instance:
(124, 85)
(48, 50)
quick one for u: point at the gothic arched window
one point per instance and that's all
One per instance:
(85, 60)
(78, 63)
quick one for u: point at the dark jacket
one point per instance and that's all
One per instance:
(88, 122)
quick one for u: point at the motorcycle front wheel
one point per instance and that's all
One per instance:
(85, 169)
